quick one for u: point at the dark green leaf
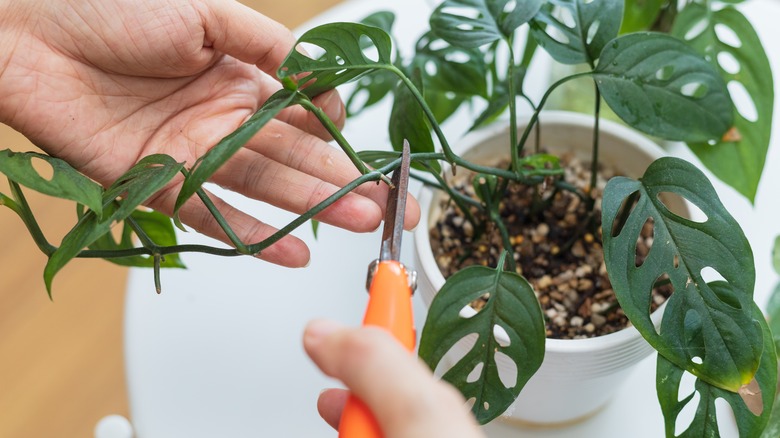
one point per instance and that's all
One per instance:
(377, 159)
(737, 161)
(350, 51)
(157, 226)
(705, 423)
(408, 121)
(576, 31)
(773, 314)
(498, 102)
(315, 227)
(144, 179)
(229, 145)
(66, 182)
(511, 307)
(381, 19)
(449, 69)
(474, 23)
(705, 331)
(659, 85)
(639, 15)
(370, 90)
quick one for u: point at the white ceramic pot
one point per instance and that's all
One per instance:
(577, 377)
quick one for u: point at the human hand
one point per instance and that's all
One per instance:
(403, 395)
(103, 83)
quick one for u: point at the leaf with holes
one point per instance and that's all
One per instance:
(659, 85)
(709, 332)
(639, 15)
(731, 44)
(157, 226)
(576, 31)
(65, 182)
(350, 51)
(474, 23)
(212, 160)
(511, 313)
(752, 408)
(144, 179)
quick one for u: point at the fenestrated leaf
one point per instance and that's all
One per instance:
(370, 90)
(157, 226)
(347, 56)
(134, 187)
(229, 145)
(710, 333)
(737, 161)
(576, 31)
(451, 69)
(381, 19)
(66, 182)
(659, 85)
(639, 15)
(705, 422)
(474, 23)
(511, 308)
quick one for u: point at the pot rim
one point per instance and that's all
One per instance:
(426, 195)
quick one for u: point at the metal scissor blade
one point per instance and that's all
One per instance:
(396, 207)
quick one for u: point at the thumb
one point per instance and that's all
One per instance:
(245, 34)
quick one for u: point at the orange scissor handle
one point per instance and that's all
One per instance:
(390, 307)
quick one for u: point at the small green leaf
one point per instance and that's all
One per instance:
(705, 422)
(737, 161)
(776, 255)
(707, 332)
(474, 23)
(511, 312)
(659, 85)
(144, 179)
(639, 15)
(408, 121)
(66, 182)
(381, 19)
(576, 31)
(377, 159)
(157, 226)
(315, 227)
(350, 51)
(229, 145)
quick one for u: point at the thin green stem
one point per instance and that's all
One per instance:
(22, 208)
(163, 250)
(146, 241)
(223, 223)
(374, 175)
(594, 161)
(510, 80)
(334, 131)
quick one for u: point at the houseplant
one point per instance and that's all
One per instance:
(353, 51)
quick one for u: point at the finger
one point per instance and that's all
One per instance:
(246, 34)
(330, 404)
(309, 155)
(400, 391)
(288, 251)
(267, 180)
(330, 102)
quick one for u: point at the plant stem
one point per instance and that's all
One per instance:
(163, 250)
(334, 131)
(19, 205)
(234, 239)
(594, 161)
(510, 80)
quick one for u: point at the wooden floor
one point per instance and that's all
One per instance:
(61, 364)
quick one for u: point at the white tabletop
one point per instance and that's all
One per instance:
(219, 352)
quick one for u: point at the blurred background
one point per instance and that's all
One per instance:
(61, 361)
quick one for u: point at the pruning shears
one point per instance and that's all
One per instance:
(390, 287)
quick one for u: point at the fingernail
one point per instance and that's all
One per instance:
(319, 329)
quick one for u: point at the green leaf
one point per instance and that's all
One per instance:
(738, 162)
(350, 51)
(511, 307)
(576, 31)
(66, 182)
(408, 121)
(639, 15)
(451, 69)
(474, 23)
(370, 90)
(144, 179)
(705, 424)
(776, 255)
(157, 226)
(315, 227)
(710, 333)
(229, 145)
(377, 159)
(381, 19)
(659, 85)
